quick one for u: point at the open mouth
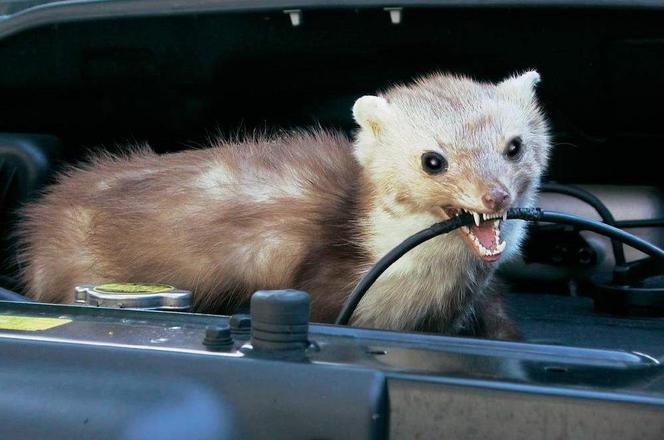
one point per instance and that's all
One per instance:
(484, 236)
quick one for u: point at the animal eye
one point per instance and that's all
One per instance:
(433, 163)
(514, 149)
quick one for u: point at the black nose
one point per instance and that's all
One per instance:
(496, 199)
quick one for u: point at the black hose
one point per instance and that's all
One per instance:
(596, 203)
(644, 223)
(529, 214)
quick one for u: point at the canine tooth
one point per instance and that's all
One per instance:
(504, 215)
(501, 246)
(476, 216)
(465, 229)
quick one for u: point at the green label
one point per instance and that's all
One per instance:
(30, 323)
(133, 288)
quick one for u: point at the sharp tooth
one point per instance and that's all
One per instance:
(501, 247)
(476, 216)
(465, 229)
(504, 215)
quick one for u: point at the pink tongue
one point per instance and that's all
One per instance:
(486, 234)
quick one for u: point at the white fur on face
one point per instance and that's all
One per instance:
(470, 124)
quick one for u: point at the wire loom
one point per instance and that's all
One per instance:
(528, 214)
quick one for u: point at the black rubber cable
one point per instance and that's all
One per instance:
(597, 204)
(529, 214)
(641, 223)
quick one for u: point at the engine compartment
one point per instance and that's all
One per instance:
(174, 81)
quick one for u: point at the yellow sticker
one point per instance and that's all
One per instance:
(30, 323)
(133, 288)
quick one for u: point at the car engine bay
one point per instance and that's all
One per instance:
(591, 310)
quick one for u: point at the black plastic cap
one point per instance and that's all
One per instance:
(280, 320)
(240, 325)
(218, 338)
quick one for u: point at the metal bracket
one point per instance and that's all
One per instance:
(295, 16)
(395, 14)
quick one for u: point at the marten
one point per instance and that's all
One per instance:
(313, 210)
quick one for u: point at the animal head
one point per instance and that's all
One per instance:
(447, 144)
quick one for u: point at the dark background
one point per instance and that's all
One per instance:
(176, 81)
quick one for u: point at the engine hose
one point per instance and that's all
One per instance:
(528, 214)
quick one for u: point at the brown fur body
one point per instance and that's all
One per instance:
(310, 211)
(150, 218)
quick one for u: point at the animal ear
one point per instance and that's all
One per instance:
(521, 85)
(372, 113)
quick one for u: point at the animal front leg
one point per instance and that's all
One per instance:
(493, 320)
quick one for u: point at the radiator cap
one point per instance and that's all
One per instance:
(134, 296)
